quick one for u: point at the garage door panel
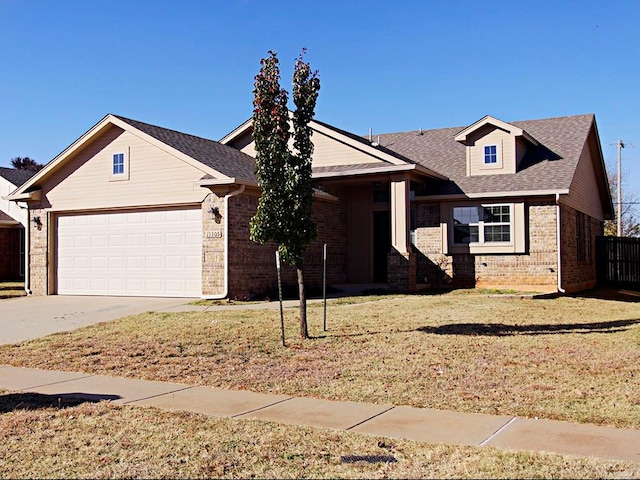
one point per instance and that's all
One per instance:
(153, 253)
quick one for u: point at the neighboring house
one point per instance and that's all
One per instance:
(14, 220)
(135, 209)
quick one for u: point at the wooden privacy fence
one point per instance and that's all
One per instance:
(618, 261)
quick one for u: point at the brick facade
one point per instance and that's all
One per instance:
(578, 269)
(38, 253)
(10, 254)
(252, 271)
(537, 267)
(401, 271)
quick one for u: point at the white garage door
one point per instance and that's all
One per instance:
(154, 253)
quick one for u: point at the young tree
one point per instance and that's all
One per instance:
(26, 163)
(284, 175)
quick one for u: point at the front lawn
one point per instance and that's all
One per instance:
(574, 359)
(107, 441)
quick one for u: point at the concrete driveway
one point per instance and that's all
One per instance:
(26, 318)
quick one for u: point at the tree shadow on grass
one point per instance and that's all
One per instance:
(10, 402)
(610, 293)
(503, 330)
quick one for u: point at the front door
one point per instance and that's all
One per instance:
(381, 245)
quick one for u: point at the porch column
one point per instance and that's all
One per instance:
(400, 213)
(401, 261)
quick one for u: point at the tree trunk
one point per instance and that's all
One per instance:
(304, 332)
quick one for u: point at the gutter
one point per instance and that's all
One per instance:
(558, 228)
(225, 291)
(27, 235)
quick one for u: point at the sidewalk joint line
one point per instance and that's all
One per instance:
(497, 432)
(261, 408)
(55, 383)
(187, 387)
(370, 418)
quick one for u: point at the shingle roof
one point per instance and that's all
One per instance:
(224, 159)
(16, 176)
(549, 166)
(6, 218)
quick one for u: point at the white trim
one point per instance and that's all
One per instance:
(489, 120)
(205, 182)
(124, 175)
(559, 244)
(386, 169)
(33, 195)
(481, 224)
(236, 132)
(498, 163)
(518, 193)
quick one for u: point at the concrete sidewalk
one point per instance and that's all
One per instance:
(425, 425)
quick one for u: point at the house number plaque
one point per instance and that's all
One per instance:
(214, 234)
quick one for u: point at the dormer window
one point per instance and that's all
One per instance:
(490, 154)
(494, 147)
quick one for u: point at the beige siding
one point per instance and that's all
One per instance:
(155, 177)
(328, 152)
(11, 208)
(583, 193)
(506, 152)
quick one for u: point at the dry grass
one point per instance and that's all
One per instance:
(574, 359)
(106, 441)
(11, 289)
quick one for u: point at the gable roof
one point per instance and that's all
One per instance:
(16, 176)
(489, 120)
(213, 158)
(227, 160)
(547, 167)
(388, 160)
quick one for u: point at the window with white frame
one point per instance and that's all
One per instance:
(118, 164)
(490, 154)
(481, 224)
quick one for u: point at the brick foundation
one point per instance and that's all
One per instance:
(535, 268)
(401, 271)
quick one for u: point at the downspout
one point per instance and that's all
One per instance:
(558, 240)
(225, 290)
(27, 235)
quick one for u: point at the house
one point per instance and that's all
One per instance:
(135, 209)
(13, 221)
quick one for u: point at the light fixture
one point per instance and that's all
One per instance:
(214, 214)
(37, 222)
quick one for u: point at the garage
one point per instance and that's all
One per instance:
(154, 253)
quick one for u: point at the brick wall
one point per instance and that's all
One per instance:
(252, 271)
(38, 256)
(578, 273)
(213, 246)
(10, 254)
(401, 271)
(536, 267)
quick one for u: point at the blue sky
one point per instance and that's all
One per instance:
(389, 66)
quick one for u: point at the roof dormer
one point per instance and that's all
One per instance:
(494, 147)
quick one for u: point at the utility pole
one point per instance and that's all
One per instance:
(620, 147)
